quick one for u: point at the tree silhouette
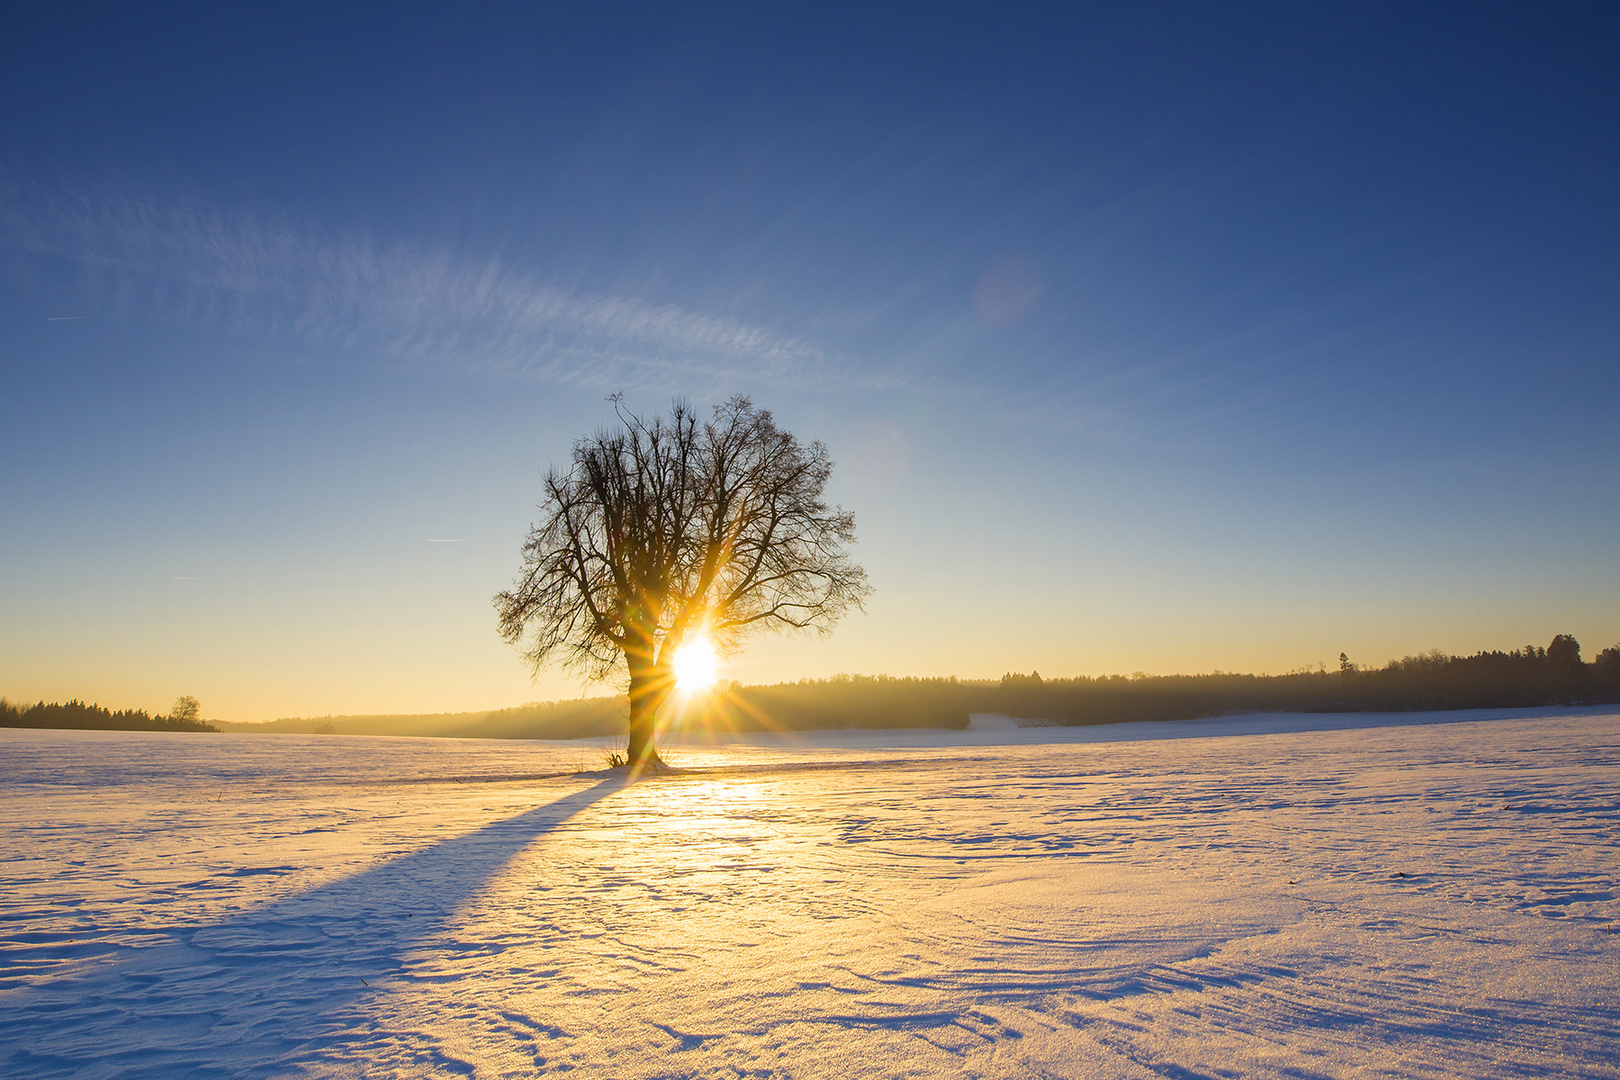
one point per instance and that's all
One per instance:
(1564, 655)
(665, 529)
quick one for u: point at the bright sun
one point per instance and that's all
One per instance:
(696, 666)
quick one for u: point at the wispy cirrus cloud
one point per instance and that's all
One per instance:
(407, 304)
(417, 307)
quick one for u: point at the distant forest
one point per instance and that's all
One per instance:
(1527, 676)
(76, 714)
(1524, 677)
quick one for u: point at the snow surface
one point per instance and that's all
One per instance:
(1274, 896)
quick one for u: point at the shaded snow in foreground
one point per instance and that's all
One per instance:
(1426, 899)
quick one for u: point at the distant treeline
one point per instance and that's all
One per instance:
(76, 714)
(1524, 677)
(1528, 676)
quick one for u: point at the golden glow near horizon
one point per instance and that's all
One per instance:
(697, 666)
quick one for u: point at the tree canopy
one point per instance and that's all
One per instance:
(666, 529)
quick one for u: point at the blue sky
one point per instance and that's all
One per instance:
(1146, 337)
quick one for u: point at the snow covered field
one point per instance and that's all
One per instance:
(1227, 898)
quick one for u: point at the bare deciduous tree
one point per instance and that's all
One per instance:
(668, 528)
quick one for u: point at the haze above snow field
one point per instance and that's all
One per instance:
(1413, 900)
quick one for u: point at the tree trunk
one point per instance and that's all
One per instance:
(649, 688)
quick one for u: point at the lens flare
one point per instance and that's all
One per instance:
(697, 666)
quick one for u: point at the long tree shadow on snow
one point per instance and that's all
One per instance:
(241, 995)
